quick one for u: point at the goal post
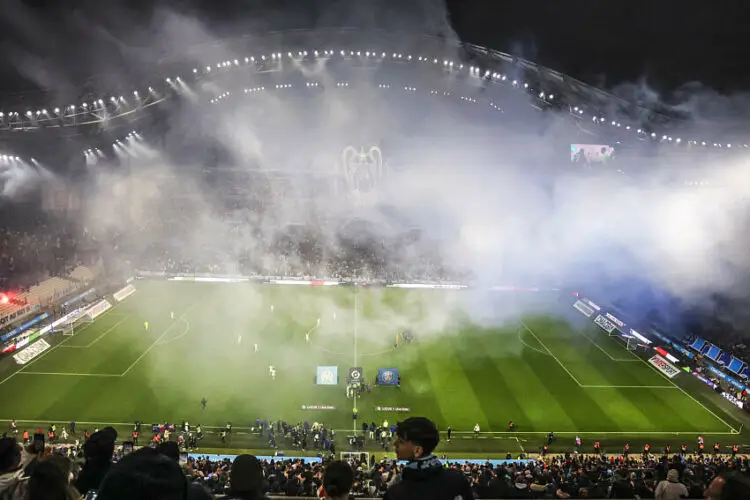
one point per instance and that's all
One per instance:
(70, 328)
(67, 329)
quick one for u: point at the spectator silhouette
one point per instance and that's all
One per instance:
(337, 481)
(145, 474)
(424, 475)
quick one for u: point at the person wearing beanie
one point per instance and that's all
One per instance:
(424, 475)
(145, 474)
(338, 479)
(246, 479)
(98, 451)
(672, 488)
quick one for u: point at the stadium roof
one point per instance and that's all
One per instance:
(101, 101)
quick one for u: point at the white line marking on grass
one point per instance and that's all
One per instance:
(185, 332)
(523, 450)
(512, 433)
(156, 342)
(551, 354)
(105, 333)
(518, 334)
(73, 374)
(356, 310)
(42, 355)
(734, 431)
(612, 358)
(670, 387)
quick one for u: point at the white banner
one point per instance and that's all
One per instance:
(605, 324)
(98, 309)
(123, 294)
(664, 366)
(584, 308)
(31, 352)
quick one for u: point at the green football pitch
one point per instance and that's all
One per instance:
(474, 361)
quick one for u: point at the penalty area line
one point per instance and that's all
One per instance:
(156, 342)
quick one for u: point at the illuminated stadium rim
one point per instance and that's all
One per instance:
(112, 107)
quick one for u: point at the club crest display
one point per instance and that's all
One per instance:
(362, 172)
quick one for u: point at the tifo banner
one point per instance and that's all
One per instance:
(664, 366)
(584, 308)
(20, 329)
(31, 352)
(18, 313)
(605, 324)
(123, 294)
(354, 375)
(396, 409)
(318, 407)
(98, 309)
(387, 376)
(327, 375)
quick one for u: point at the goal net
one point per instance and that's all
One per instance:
(355, 458)
(72, 327)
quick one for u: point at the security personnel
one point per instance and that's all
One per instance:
(545, 449)
(646, 449)
(597, 447)
(626, 451)
(667, 449)
(700, 449)
(735, 449)
(25, 437)
(717, 449)
(135, 437)
(683, 449)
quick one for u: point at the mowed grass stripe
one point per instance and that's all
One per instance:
(487, 383)
(581, 408)
(447, 374)
(538, 408)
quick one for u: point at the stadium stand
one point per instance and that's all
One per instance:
(560, 476)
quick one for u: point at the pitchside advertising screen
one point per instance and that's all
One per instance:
(327, 375)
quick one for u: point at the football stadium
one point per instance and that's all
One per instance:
(295, 245)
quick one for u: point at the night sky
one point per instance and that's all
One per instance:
(602, 42)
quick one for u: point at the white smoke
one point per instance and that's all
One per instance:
(491, 192)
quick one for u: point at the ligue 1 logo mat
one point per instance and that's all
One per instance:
(327, 375)
(354, 375)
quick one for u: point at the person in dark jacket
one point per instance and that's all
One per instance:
(424, 476)
(98, 451)
(246, 480)
(337, 481)
(145, 474)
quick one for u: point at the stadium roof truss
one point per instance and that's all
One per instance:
(552, 89)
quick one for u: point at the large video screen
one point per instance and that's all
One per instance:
(591, 153)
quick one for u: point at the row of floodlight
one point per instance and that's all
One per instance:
(72, 109)
(131, 136)
(473, 70)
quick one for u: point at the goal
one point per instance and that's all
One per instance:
(355, 458)
(69, 329)
(630, 342)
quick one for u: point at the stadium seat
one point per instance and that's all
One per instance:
(724, 359)
(713, 352)
(698, 344)
(735, 365)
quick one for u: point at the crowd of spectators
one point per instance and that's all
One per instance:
(35, 246)
(98, 469)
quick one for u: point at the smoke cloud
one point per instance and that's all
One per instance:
(489, 193)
